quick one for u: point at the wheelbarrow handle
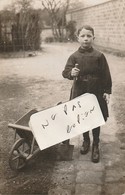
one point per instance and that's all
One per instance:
(16, 126)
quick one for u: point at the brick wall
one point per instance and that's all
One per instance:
(108, 20)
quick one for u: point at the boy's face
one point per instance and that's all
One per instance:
(85, 38)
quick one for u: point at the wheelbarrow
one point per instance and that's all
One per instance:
(25, 146)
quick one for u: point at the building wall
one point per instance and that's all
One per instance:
(108, 20)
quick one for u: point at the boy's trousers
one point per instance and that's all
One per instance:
(95, 133)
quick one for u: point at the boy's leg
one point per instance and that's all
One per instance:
(95, 146)
(96, 134)
(86, 143)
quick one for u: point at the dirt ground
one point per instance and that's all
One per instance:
(36, 82)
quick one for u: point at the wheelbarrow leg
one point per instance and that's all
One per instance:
(65, 151)
(66, 142)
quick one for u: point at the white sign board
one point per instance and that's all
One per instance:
(67, 120)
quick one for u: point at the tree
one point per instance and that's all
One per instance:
(76, 4)
(28, 20)
(22, 5)
(57, 10)
(71, 30)
(7, 18)
(24, 25)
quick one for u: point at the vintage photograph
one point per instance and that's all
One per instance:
(62, 103)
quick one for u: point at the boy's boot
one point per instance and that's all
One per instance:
(85, 147)
(95, 152)
(86, 143)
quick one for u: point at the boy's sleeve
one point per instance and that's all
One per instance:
(106, 76)
(69, 65)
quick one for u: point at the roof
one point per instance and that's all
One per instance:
(82, 4)
(87, 3)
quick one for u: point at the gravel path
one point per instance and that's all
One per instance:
(36, 82)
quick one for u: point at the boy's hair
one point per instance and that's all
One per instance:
(87, 27)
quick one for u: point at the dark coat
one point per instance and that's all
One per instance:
(94, 76)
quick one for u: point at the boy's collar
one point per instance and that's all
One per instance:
(82, 50)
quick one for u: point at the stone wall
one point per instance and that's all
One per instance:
(108, 20)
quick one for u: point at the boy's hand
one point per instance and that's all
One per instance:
(75, 72)
(106, 96)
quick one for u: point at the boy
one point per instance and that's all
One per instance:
(93, 76)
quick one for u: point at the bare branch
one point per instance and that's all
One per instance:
(57, 10)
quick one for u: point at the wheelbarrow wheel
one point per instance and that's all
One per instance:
(18, 154)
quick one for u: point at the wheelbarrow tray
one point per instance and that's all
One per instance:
(22, 126)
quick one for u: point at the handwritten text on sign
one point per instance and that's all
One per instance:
(67, 120)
